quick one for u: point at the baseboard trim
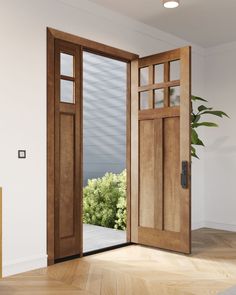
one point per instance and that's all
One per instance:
(198, 225)
(23, 265)
(214, 225)
(221, 226)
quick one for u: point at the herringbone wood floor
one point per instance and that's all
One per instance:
(138, 270)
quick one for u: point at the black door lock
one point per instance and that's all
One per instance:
(184, 174)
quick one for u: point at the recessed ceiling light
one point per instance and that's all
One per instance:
(171, 3)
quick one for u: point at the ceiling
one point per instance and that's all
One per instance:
(204, 22)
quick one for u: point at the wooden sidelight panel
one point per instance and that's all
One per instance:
(68, 150)
(67, 177)
(160, 137)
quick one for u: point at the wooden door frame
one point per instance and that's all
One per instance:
(97, 48)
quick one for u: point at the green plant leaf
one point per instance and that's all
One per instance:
(194, 137)
(194, 155)
(193, 152)
(199, 142)
(193, 149)
(216, 113)
(207, 124)
(197, 118)
(203, 108)
(195, 98)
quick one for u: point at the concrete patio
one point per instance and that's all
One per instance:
(98, 237)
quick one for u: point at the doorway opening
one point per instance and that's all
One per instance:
(113, 144)
(104, 152)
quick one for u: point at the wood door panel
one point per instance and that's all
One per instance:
(158, 238)
(150, 192)
(151, 165)
(172, 197)
(147, 173)
(161, 211)
(67, 247)
(169, 240)
(67, 172)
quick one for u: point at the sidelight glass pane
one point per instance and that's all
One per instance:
(159, 98)
(159, 73)
(143, 76)
(67, 91)
(143, 100)
(174, 70)
(67, 65)
(174, 96)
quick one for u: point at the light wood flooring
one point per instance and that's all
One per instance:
(138, 270)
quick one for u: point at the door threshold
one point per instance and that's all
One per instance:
(106, 249)
(59, 260)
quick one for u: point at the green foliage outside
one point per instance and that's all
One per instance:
(104, 201)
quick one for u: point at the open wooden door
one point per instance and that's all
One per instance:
(160, 150)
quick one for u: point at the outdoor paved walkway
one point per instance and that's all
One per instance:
(98, 237)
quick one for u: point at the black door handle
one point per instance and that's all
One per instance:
(184, 174)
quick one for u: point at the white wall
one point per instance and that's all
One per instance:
(220, 153)
(23, 110)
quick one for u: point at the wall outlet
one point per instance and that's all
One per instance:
(22, 154)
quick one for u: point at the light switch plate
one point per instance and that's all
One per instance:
(22, 154)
